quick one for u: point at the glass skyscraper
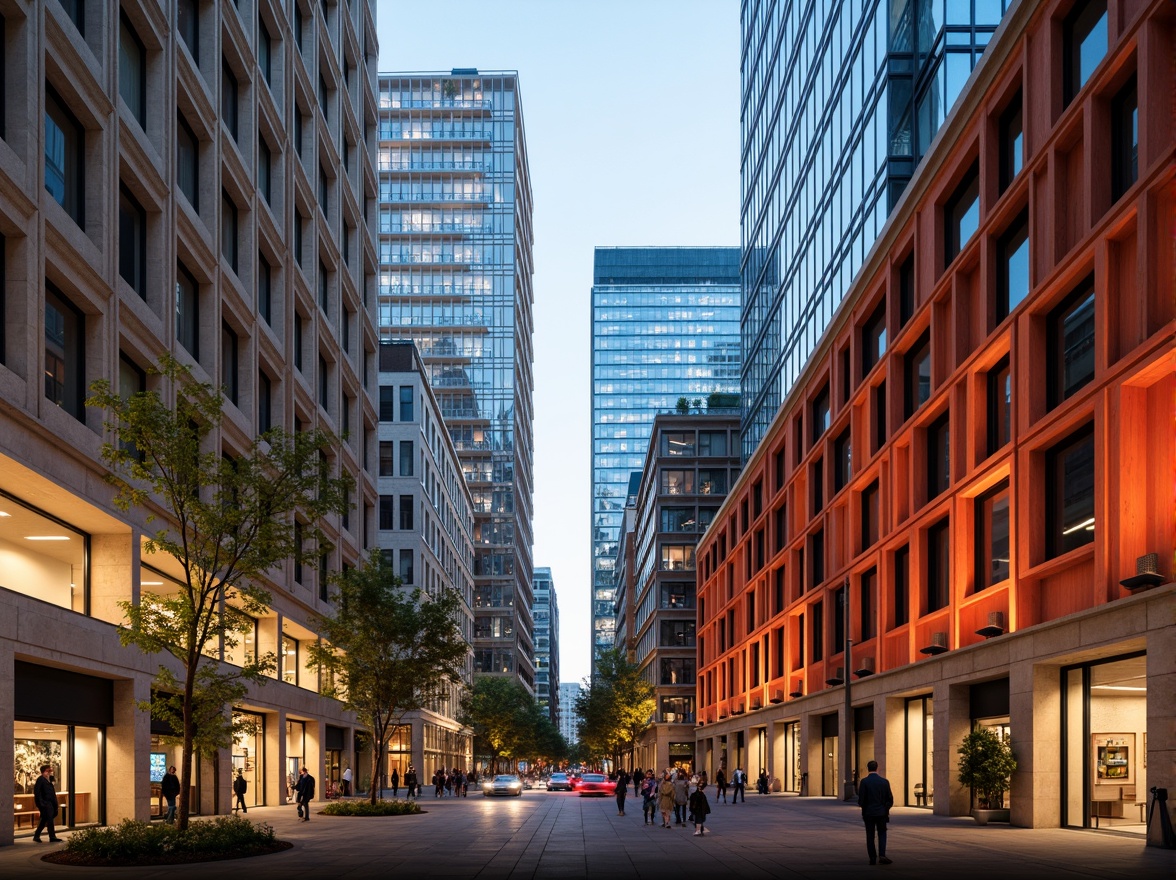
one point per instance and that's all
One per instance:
(454, 235)
(839, 102)
(546, 615)
(665, 325)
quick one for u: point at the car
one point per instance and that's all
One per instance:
(559, 782)
(504, 785)
(595, 783)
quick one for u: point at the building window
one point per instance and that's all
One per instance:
(265, 403)
(902, 585)
(406, 456)
(677, 595)
(132, 70)
(324, 288)
(678, 519)
(229, 108)
(818, 632)
(188, 25)
(299, 230)
(712, 481)
(387, 403)
(406, 508)
(906, 289)
(938, 565)
(874, 338)
(842, 461)
(324, 191)
(387, 450)
(1000, 405)
(817, 558)
(188, 164)
(265, 52)
(298, 552)
(1070, 343)
(677, 482)
(870, 514)
(678, 444)
(265, 171)
(65, 355)
(132, 242)
(867, 591)
(961, 215)
(323, 383)
(817, 483)
(229, 375)
(406, 574)
(712, 444)
(1085, 44)
(992, 537)
(65, 142)
(917, 368)
(939, 456)
(1124, 139)
(187, 311)
(76, 11)
(879, 413)
(781, 527)
(299, 25)
(406, 414)
(1012, 255)
(299, 323)
(676, 634)
(298, 131)
(387, 513)
(1012, 142)
(820, 414)
(1069, 499)
(230, 231)
(265, 304)
(677, 557)
(677, 671)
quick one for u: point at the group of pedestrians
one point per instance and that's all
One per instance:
(452, 783)
(669, 795)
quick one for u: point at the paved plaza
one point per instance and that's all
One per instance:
(557, 835)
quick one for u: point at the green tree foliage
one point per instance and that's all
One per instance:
(986, 766)
(509, 725)
(226, 523)
(389, 650)
(615, 708)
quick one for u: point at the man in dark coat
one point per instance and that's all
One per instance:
(45, 797)
(240, 786)
(395, 780)
(875, 798)
(169, 788)
(304, 794)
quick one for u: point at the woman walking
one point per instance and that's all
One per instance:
(721, 783)
(621, 789)
(665, 798)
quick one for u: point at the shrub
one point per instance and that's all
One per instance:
(144, 842)
(986, 766)
(367, 808)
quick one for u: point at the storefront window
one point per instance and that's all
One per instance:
(792, 756)
(920, 787)
(248, 756)
(74, 754)
(295, 749)
(43, 557)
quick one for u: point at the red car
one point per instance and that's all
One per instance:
(595, 783)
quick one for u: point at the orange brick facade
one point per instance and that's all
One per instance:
(872, 480)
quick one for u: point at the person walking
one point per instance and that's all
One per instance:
(347, 782)
(169, 789)
(410, 781)
(721, 784)
(240, 786)
(665, 798)
(738, 782)
(681, 797)
(638, 781)
(699, 809)
(648, 797)
(875, 798)
(45, 799)
(395, 780)
(304, 794)
(621, 789)
(761, 784)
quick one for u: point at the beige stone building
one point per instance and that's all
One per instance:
(192, 178)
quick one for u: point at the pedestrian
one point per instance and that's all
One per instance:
(465, 783)
(665, 798)
(240, 786)
(638, 781)
(395, 780)
(410, 781)
(681, 797)
(45, 799)
(699, 809)
(304, 794)
(169, 788)
(721, 784)
(702, 780)
(649, 797)
(620, 789)
(875, 798)
(347, 782)
(762, 783)
(738, 782)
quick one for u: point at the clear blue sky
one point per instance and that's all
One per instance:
(632, 119)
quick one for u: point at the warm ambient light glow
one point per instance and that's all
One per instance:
(151, 583)
(46, 537)
(1117, 687)
(1086, 524)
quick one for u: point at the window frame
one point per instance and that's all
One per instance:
(986, 536)
(913, 359)
(138, 107)
(1079, 24)
(1083, 292)
(188, 331)
(133, 215)
(1011, 127)
(188, 170)
(956, 210)
(1124, 146)
(73, 158)
(1058, 540)
(938, 586)
(72, 354)
(1013, 242)
(938, 438)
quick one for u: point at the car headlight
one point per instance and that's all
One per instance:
(516, 785)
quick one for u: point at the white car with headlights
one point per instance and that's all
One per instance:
(506, 785)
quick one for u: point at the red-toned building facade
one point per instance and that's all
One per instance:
(979, 452)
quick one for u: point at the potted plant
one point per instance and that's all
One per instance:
(986, 766)
(683, 406)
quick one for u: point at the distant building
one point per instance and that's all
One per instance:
(424, 530)
(665, 326)
(569, 718)
(546, 617)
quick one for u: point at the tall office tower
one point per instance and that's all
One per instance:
(546, 615)
(455, 239)
(425, 531)
(184, 178)
(839, 105)
(665, 325)
(569, 718)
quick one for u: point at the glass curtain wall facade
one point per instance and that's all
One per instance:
(665, 325)
(454, 236)
(546, 615)
(839, 103)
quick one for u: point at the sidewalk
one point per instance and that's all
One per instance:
(556, 835)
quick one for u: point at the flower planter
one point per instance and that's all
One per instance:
(983, 817)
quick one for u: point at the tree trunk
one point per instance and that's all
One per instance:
(186, 755)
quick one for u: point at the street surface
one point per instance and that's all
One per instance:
(557, 835)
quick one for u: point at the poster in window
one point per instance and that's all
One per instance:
(1114, 757)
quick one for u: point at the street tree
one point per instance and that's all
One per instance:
(388, 650)
(227, 522)
(615, 707)
(497, 709)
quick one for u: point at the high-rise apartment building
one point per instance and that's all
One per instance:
(424, 528)
(546, 616)
(665, 326)
(454, 249)
(965, 503)
(190, 179)
(839, 102)
(569, 718)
